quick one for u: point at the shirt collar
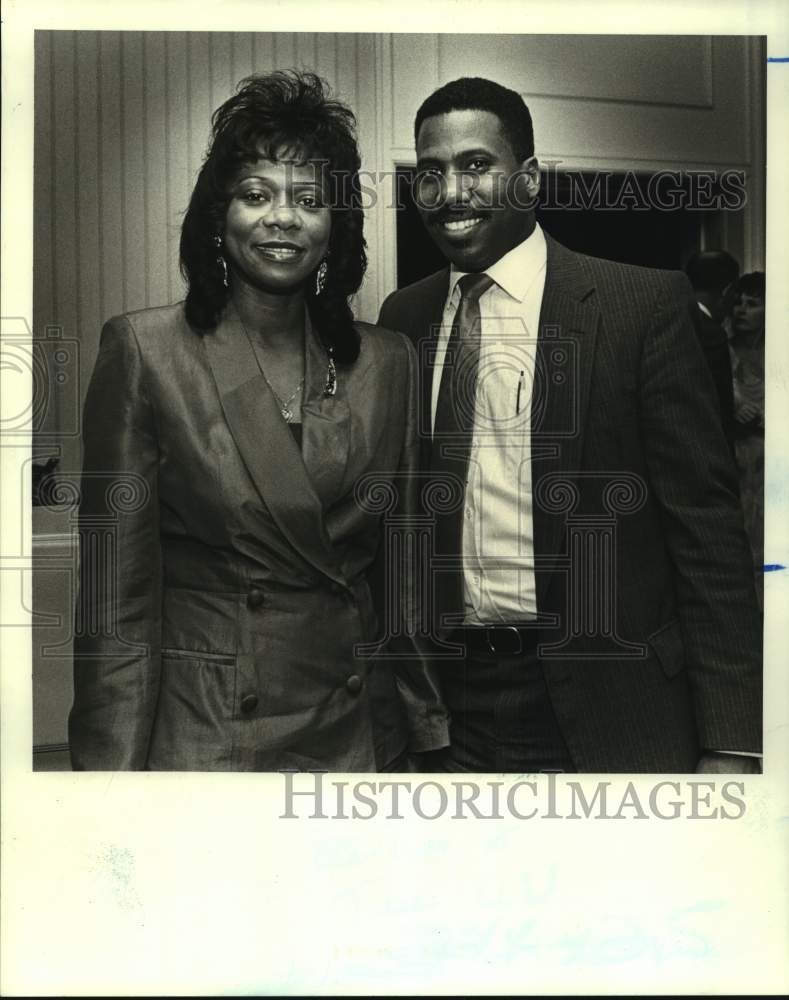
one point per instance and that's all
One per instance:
(515, 271)
(704, 309)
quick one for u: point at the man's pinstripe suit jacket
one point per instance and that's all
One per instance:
(675, 666)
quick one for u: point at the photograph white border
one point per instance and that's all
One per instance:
(167, 884)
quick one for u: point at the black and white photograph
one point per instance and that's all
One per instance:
(590, 465)
(396, 438)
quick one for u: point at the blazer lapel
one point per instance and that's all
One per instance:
(266, 445)
(326, 427)
(569, 318)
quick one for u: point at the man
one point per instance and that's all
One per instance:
(593, 582)
(713, 275)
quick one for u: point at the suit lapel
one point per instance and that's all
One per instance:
(569, 318)
(425, 335)
(326, 423)
(266, 444)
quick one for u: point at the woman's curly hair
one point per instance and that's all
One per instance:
(752, 284)
(291, 113)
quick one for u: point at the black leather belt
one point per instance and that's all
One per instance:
(501, 640)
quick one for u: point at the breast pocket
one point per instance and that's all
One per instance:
(193, 730)
(170, 653)
(669, 648)
(199, 685)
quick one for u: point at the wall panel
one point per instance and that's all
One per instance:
(87, 161)
(647, 70)
(221, 59)
(347, 73)
(155, 258)
(285, 49)
(111, 263)
(176, 154)
(264, 57)
(242, 47)
(325, 63)
(413, 74)
(135, 156)
(43, 183)
(199, 104)
(306, 47)
(66, 219)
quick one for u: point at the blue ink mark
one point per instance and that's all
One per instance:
(120, 863)
(772, 567)
(777, 58)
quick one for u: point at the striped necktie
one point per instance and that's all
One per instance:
(453, 429)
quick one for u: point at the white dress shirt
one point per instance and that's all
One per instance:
(497, 515)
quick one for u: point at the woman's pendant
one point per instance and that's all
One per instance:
(330, 388)
(287, 413)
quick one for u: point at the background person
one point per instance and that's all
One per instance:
(747, 353)
(713, 275)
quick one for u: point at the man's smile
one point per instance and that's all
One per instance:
(461, 225)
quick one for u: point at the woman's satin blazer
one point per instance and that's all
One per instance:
(227, 574)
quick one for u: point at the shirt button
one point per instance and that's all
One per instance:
(469, 513)
(249, 703)
(255, 598)
(354, 684)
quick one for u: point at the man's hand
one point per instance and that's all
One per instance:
(715, 762)
(749, 413)
(428, 762)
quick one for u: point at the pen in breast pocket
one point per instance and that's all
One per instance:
(520, 390)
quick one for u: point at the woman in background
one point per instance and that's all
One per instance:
(747, 355)
(241, 421)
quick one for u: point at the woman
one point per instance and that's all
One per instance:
(747, 356)
(226, 435)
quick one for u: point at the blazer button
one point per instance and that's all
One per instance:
(354, 684)
(249, 703)
(336, 588)
(255, 598)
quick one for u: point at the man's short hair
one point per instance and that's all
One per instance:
(712, 270)
(473, 93)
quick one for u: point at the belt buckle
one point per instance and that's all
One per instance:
(501, 630)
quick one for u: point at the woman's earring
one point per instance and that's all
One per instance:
(320, 277)
(331, 376)
(222, 262)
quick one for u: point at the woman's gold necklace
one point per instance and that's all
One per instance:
(284, 407)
